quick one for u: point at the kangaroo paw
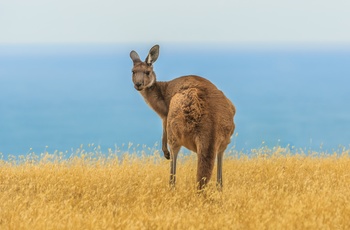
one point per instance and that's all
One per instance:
(166, 154)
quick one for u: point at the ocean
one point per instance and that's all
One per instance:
(60, 97)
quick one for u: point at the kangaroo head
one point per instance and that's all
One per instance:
(142, 72)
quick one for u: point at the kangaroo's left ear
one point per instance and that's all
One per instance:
(134, 57)
(152, 55)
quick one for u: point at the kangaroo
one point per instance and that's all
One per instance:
(195, 114)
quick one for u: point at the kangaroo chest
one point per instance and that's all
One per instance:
(156, 101)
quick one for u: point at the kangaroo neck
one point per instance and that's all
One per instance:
(155, 97)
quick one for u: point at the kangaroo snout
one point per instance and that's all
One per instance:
(138, 86)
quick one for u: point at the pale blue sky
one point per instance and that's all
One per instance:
(236, 21)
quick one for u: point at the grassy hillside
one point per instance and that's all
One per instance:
(272, 189)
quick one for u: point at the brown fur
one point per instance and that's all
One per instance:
(195, 115)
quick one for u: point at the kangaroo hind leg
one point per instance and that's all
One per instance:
(174, 150)
(206, 160)
(219, 170)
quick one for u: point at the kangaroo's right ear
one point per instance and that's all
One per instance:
(152, 55)
(134, 57)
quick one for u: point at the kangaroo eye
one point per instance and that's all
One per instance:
(147, 73)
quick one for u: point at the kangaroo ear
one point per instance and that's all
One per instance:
(134, 57)
(152, 55)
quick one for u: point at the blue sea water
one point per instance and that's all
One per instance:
(57, 97)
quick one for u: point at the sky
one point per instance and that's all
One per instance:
(229, 21)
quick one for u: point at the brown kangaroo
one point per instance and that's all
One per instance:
(195, 114)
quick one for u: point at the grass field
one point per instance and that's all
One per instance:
(271, 189)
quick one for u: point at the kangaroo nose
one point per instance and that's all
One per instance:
(138, 84)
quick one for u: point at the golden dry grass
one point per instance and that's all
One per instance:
(270, 190)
